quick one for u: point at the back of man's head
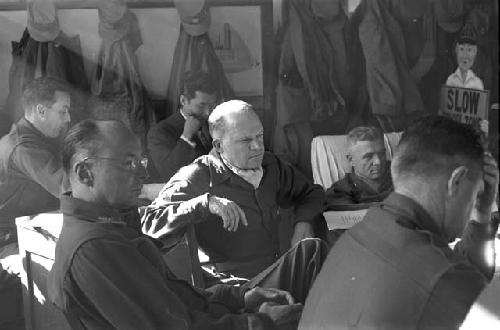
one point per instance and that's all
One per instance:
(41, 91)
(222, 113)
(363, 133)
(199, 81)
(433, 147)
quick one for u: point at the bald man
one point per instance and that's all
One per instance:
(245, 187)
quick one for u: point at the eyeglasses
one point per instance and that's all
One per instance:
(131, 164)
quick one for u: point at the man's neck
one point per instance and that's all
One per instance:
(36, 125)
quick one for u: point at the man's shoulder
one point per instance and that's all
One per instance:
(170, 127)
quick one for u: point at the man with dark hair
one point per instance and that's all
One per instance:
(395, 269)
(246, 186)
(30, 168)
(181, 138)
(108, 275)
(370, 178)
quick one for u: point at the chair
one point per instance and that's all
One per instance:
(329, 164)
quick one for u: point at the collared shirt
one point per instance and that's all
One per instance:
(31, 175)
(395, 270)
(252, 176)
(353, 190)
(249, 250)
(108, 275)
(471, 80)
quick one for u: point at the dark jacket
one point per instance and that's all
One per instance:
(30, 172)
(395, 270)
(168, 151)
(353, 190)
(251, 249)
(107, 274)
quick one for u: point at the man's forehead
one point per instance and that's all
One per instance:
(368, 146)
(202, 96)
(62, 95)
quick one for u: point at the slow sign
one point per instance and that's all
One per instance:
(464, 104)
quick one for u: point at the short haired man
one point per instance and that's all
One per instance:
(246, 186)
(370, 178)
(108, 275)
(395, 269)
(30, 171)
(179, 139)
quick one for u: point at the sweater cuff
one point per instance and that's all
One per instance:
(191, 143)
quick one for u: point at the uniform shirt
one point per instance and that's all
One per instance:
(108, 275)
(395, 270)
(169, 151)
(31, 174)
(250, 249)
(471, 80)
(353, 190)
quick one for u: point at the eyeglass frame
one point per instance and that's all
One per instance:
(134, 164)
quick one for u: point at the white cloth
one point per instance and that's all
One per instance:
(471, 80)
(252, 176)
(328, 157)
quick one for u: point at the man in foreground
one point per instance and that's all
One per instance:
(395, 270)
(181, 138)
(245, 188)
(107, 274)
(370, 177)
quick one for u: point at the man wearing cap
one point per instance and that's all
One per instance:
(243, 188)
(181, 138)
(465, 52)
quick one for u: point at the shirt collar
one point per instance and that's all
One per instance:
(412, 214)
(219, 172)
(469, 76)
(94, 212)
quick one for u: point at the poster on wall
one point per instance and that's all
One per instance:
(236, 36)
(464, 105)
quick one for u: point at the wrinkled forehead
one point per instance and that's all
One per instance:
(247, 123)
(364, 147)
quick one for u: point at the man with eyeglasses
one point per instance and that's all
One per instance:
(108, 275)
(181, 138)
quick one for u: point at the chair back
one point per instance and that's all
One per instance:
(328, 156)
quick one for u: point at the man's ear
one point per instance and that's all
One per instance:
(349, 158)
(456, 180)
(83, 174)
(183, 99)
(40, 111)
(217, 145)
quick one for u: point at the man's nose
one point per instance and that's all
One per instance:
(142, 172)
(376, 160)
(256, 145)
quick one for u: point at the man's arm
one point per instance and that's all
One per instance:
(339, 194)
(41, 166)
(130, 292)
(168, 151)
(296, 190)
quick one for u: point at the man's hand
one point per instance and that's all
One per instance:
(486, 199)
(257, 296)
(229, 211)
(191, 127)
(282, 314)
(302, 230)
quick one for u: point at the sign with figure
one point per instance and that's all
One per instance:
(464, 105)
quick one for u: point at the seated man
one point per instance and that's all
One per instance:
(108, 275)
(181, 138)
(395, 270)
(30, 169)
(245, 187)
(370, 178)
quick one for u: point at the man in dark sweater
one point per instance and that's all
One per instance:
(370, 178)
(181, 138)
(108, 275)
